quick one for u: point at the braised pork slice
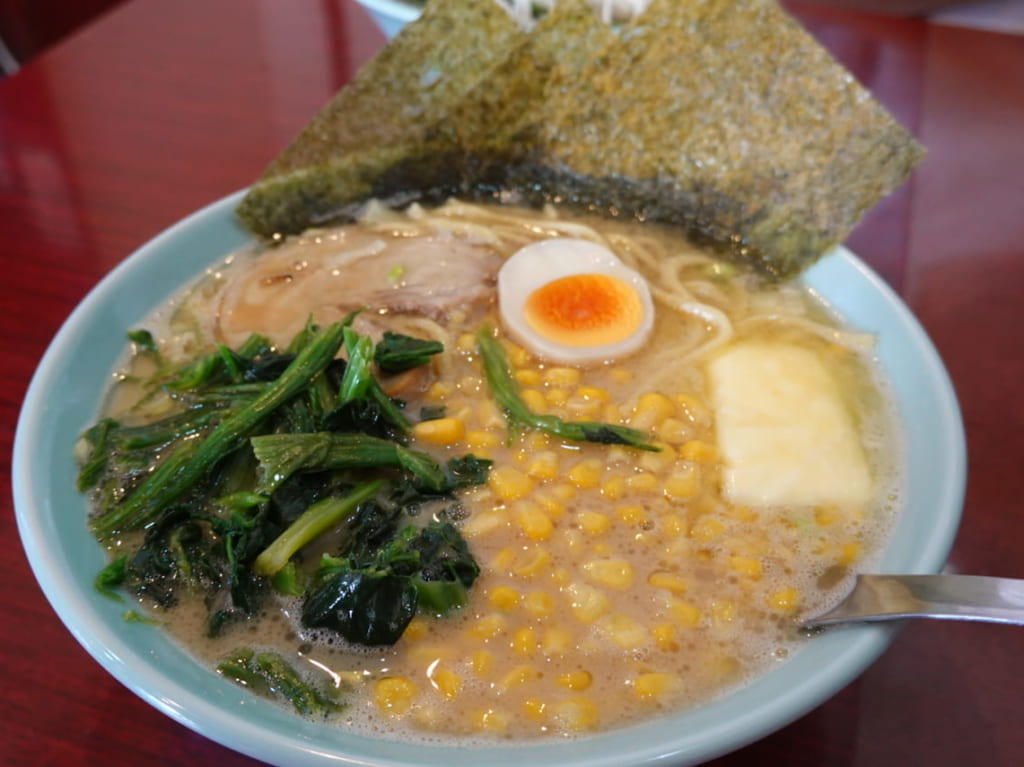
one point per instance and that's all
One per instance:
(327, 274)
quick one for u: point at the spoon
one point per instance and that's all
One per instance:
(949, 597)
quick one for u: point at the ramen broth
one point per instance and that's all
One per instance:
(617, 584)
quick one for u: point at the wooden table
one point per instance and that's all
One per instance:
(162, 107)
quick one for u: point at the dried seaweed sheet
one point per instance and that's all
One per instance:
(722, 116)
(410, 84)
(726, 117)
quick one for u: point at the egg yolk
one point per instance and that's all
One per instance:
(584, 310)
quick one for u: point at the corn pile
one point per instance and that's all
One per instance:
(615, 582)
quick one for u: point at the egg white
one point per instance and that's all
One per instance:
(539, 263)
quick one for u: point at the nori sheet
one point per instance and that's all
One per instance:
(721, 116)
(725, 117)
(408, 85)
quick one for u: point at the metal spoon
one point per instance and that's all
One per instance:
(949, 597)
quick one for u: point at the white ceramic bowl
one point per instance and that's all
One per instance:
(64, 398)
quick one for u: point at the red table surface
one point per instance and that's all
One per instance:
(159, 108)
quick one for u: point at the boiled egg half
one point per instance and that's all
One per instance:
(573, 301)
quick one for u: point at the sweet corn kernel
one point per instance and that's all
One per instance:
(536, 440)
(785, 600)
(593, 522)
(478, 439)
(747, 566)
(481, 662)
(576, 714)
(683, 613)
(439, 390)
(556, 397)
(552, 506)
(586, 473)
(446, 682)
(489, 415)
(527, 377)
(491, 720)
(534, 400)
(602, 549)
(563, 491)
(661, 579)
(643, 481)
(664, 635)
(502, 559)
(572, 540)
(425, 654)
(698, 451)
(534, 708)
(517, 355)
(508, 483)
(594, 393)
(683, 482)
(632, 515)
(466, 342)
(614, 573)
(416, 629)
(483, 522)
(524, 641)
(394, 695)
(503, 597)
(655, 684)
(694, 409)
(723, 611)
(539, 604)
(620, 375)
(532, 520)
(673, 524)
(543, 465)
(652, 408)
(531, 563)
(561, 376)
(706, 529)
(610, 413)
(674, 431)
(575, 680)
(848, 554)
(555, 641)
(516, 676)
(487, 627)
(623, 631)
(613, 487)
(440, 431)
(587, 602)
(659, 461)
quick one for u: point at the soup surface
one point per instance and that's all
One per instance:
(616, 584)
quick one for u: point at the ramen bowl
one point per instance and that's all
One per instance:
(65, 396)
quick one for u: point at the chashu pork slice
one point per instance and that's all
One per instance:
(328, 274)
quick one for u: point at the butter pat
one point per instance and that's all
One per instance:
(784, 433)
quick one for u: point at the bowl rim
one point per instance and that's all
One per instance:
(769, 702)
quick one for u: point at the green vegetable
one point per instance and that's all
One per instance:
(190, 460)
(111, 577)
(267, 452)
(369, 596)
(316, 520)
(269, 674)
(397, 352)
(499, 379)
(281, 455)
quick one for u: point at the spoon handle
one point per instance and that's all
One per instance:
(950, 597)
